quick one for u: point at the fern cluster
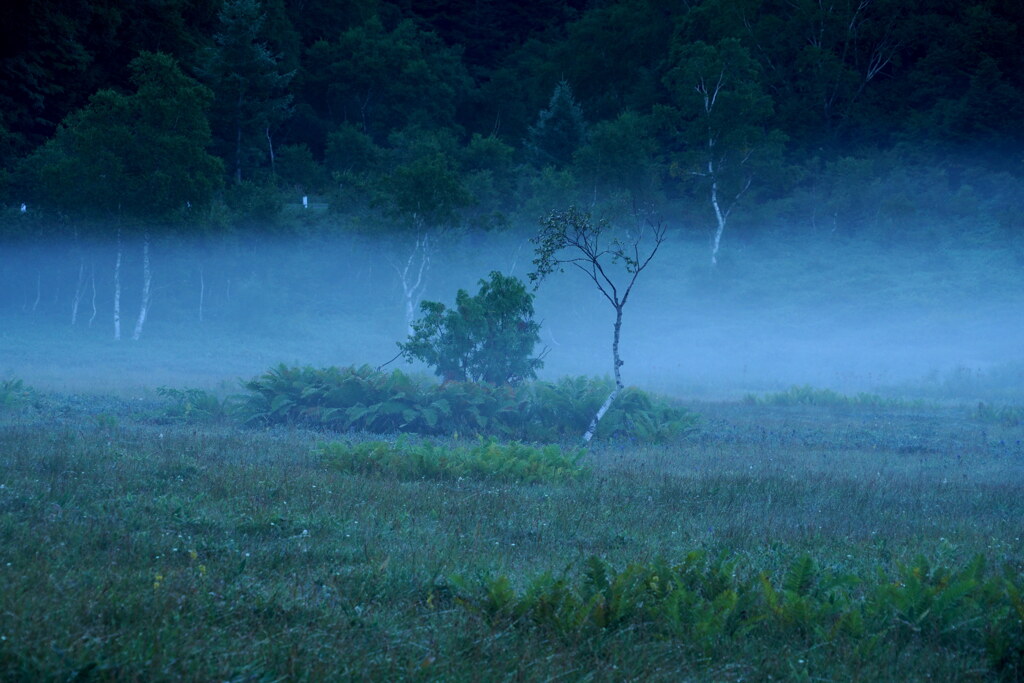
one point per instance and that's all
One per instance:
(486, 459)
(706, 604)
(13, 392)
(364, 399)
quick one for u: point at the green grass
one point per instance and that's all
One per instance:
(133, 547)
(486, 460)
(806, 395)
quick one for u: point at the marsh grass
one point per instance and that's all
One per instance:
(132, 549)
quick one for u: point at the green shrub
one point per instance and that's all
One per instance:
(483, 460)
(484, 338)
(364, 399)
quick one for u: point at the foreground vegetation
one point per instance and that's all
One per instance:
(138, 546)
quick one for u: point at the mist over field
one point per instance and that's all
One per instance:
(802, 459)
(850, 315)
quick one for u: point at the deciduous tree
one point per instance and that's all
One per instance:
(573, 238)
(488, 337)
(719, 119)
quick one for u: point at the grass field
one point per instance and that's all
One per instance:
(133, 547)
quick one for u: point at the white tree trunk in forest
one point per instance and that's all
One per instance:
(719, 217)
(412, 277)
(146, 281)
(79, 291)
(202, 293)
(92, 276)
(117, 289)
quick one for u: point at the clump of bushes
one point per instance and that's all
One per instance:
(364, 399)
(705, 605)
(485, 459)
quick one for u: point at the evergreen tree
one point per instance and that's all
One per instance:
(560, 130)
(251, 90)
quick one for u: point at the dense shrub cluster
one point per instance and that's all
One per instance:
(708, 604)
(484, 459)
(364, 399)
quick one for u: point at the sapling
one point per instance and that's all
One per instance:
(572, 237)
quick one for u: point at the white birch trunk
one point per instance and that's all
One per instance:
(720, 217)
(202, 293)
(146, 281)
(117, 289)
(92, 277)
(412, 288)
(592, 429)
(79, 292)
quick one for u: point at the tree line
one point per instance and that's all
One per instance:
(418, 115)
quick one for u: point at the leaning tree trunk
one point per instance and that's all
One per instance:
(147, 279)
(592, 429)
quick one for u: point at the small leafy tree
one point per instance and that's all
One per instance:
(485, 338)
(572, 237)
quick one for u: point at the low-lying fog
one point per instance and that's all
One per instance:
(851, 315)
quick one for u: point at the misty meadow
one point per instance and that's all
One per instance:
(492, 341)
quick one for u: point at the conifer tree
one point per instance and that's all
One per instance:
(560, 130)
(251, 96)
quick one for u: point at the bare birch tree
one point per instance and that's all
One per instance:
(412, 275)
(573, 238)
(719, 117)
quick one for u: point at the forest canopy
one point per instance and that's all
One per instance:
(853, 115)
